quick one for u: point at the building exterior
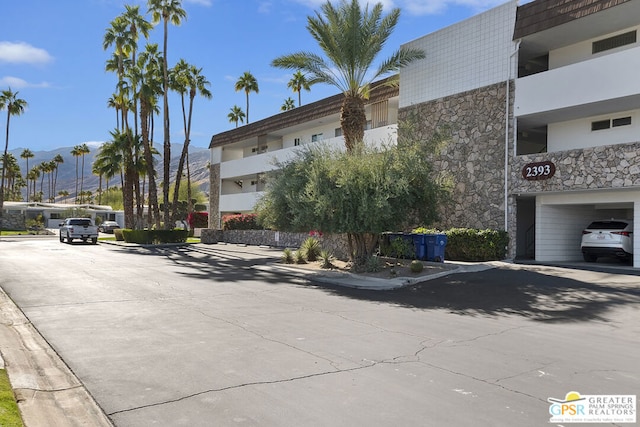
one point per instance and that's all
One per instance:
(16, 214)
(577, 105)
(240, 157)
(541, 106)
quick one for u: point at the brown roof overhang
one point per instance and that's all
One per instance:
(541, 15)
(323, 108)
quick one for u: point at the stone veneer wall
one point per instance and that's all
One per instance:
(12, 220)
(473, 159)
(335, 243)
(214, 196)
(604, 167)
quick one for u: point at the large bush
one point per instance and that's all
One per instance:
(362, 194)
(241, 222)
(147, 237)
(467, 244)
(198, 219)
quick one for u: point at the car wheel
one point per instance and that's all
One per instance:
(94, 240)
(589, 257)
(69, 239)
(61, 238)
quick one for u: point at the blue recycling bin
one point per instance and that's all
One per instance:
(435, 245)
(419, 246)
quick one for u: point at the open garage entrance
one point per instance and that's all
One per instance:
(549, 227)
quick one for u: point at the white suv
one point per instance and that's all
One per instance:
(609, 237)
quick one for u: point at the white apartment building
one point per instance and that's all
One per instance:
(240, 157)
(550, 83)
(577, 109)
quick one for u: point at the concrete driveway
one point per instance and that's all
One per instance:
(198, 336)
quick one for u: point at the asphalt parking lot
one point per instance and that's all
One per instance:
(201, 336)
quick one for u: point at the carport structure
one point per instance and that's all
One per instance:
(559, 218)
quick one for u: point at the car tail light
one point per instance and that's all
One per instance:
(586, 232)
(622, 233)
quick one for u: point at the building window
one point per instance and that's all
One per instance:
(316, 137)
(337, 132)
(55, 215)
(614, 42)
(622, 121)
(600, 125)
(607, 124)
(296, 142)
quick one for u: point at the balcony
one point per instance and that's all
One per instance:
(594, 87)
(266, 162)
(243, 202)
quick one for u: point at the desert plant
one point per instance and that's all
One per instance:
(287, 256)
(416, 266)
(299, 257)
(373, 265)
(402, 248)
(326, 259)
(311, 249)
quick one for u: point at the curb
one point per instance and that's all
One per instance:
(47, 391)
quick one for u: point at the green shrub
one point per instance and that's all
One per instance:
(326, 259)
(373, 265)
(147, 237)
(287, 256)
(467, 244)
(299, 257)
(416, 266)
(311, 249)
(240, 222)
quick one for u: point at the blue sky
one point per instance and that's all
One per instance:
(51, 53)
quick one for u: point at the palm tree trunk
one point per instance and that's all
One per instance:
(4, 159)
(353, 119)
(167, 142)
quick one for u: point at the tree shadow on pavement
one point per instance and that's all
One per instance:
(499, 291)
(212, 264)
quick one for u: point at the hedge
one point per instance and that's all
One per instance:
(468, 244)
(241, 222)
(147, 237)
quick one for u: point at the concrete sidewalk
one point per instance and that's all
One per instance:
(48, 393)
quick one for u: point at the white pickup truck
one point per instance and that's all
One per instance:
(78, 228)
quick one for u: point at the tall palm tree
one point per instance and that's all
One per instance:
(149, 69)
(297, 83)
(76, 152)
(137, 25)
(248, 83)
(33, 176)
(84, 150)
(236, 115)
(15, 106)
(187, 79)
(27, 154)
(351, 39)
(58, 160)
(165, 11)
(289, 104)
(119, 35)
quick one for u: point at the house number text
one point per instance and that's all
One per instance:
(538, 171)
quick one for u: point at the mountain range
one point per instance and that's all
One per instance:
(198, 162)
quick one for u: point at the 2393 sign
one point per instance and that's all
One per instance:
(538, 171)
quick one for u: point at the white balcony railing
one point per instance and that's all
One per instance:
(243, 202)
(597, 86)
(265, 162)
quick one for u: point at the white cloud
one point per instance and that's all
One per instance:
(18, 83)
(22, 52)
(94, 144)
(200, 2)
(414, 7)
(265, 7)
